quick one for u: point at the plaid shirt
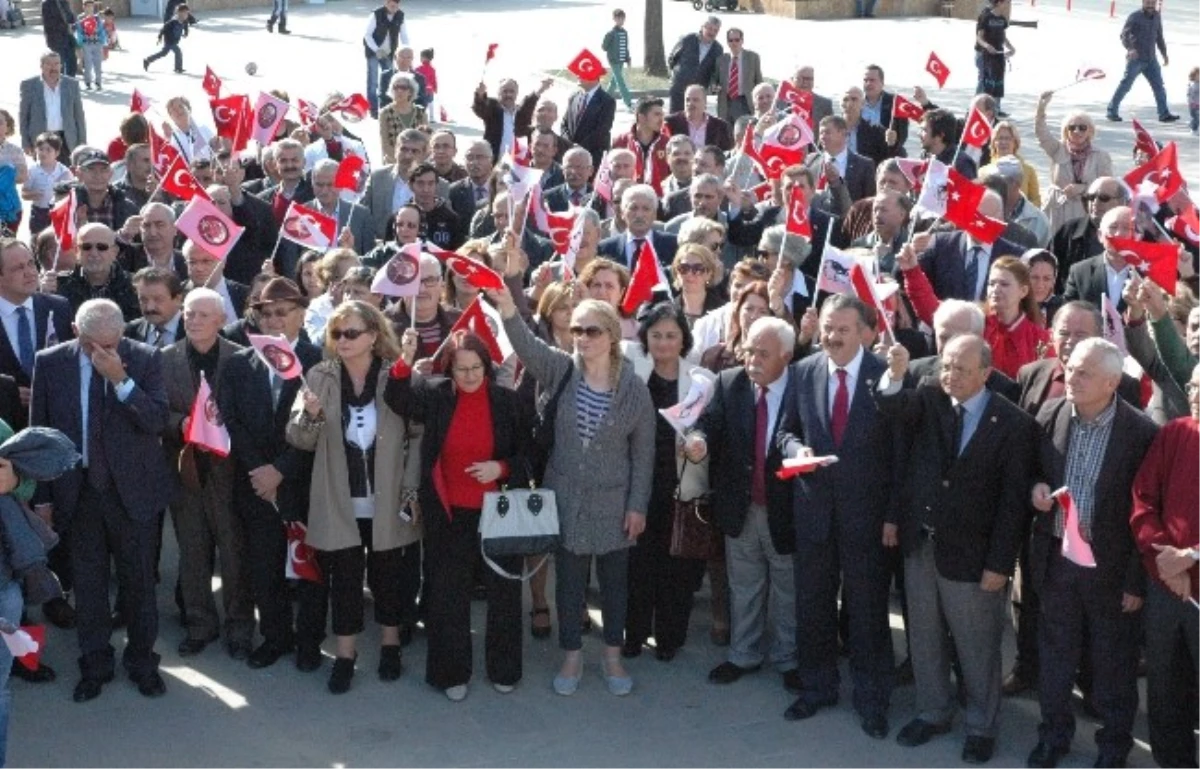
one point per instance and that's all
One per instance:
(1085, 454)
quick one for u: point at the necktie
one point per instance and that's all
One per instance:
(841, 409)
(481, 194)
(637, 250)
(958, 429)
(25, 340)
(758, 483)
(733, 78)
(576, 198)
(580, 106)
(160, 337)
(973, 273)
(276, 389)
(97, 470)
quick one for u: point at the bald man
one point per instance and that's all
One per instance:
(1105, 273)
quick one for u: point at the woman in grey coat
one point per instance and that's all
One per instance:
(600, 470)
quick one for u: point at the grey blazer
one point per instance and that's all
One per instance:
(377, 199)
(33, 112)
(594, 485)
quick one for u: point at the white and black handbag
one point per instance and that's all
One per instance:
(518, 522)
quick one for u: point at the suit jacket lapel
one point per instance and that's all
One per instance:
(988, 422)
(1061, 439)
(821, 379)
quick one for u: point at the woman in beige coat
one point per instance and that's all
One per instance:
(365, 473)
(1074, 163)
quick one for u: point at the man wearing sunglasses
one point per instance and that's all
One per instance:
(1080, 239)
(98, 276)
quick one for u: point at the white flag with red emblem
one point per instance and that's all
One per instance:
(1114, 325)
(1074, 547)
(833, 274)
(277, 354)
(683, 415)
(603, 183)
(865, 287)
(178, 181)
(206, 428)
(209, 228)
(269, 112)
(306, 227)
(481, 319)
(933, 196)
(785, 144)
(62, 218)
(401, 276)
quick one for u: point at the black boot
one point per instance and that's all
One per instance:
(283, 30)
(343, 673)
(390, 666)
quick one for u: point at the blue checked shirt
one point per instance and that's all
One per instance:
(1085, 455)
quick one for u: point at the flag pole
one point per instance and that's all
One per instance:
(821, 264)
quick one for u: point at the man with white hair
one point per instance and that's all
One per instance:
(106, 393)
(1105, 273)
(1017, 208)
(206, 270)
(148, 240)
(1092, 444)
(955, 317)
(350, 216)
(639, 208)
(504, 120)
(201, 507)
(575, 189)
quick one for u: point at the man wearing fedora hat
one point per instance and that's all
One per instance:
(270, 483)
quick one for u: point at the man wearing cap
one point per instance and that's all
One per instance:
(51, 103)
(270, 478)
(97, 199)
(503, 119)
(590, 113)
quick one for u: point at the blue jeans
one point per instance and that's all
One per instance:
(375, 69)
(1148, 68)
(172, 48)
(11, 606)
(279, 9)
(864, 7)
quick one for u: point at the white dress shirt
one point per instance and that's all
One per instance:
(8, 315)
(1115, 282)
(85, 383)
(774, 402)
(54, 111)
(231, 312)
(852, 369)
(839, 160)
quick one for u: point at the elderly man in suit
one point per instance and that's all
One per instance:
(862, 137)
(51, 103)
(204, 269)
(693, 60)
(107, 395)
(589, 118)
(148, 240)
(1105, 273)
(1092, 444)
(844, 515)
(738, 73)
(952, 319)
(878, 104)
(504, 120)
(160, 297)
(693, 121)
(270, 478)
(639, 206)
(751, 506)
(956, 263)
(575, 190)
(465, 196)
(202, 505)
(963, 510)
(845, 172)
(349, 216)
(803, 79)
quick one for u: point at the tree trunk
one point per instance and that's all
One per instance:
(655, 61)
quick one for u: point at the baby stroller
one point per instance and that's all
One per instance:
(715, 5)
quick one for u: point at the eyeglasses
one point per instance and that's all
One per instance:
(763, 253)
(733, 39)
(1099, 197)
(101, 247)
(692, 268)
(349, 334)
(591, 332)
(1077, 128)
(468, 370)
(282, 312)
(431, 281)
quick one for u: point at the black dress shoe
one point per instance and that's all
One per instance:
(875, 726)
(802, 708)
(239, 650)
(665, 653)
(59, 613)
(1106, 761)
(727, 673)
(978, 749)
(308, 658)
(1017, 682)
(151, 684)
(265, 656)
(792, 682)
(1045, 756)
(919, 731)
(342, 675)
(631, 649)
(44, 674)
(90, 688)
(190, 647)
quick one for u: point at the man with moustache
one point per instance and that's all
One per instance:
(148, 240)
(160, 297)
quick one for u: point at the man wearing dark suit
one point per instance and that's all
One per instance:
(270, 478)
(66, 118)
(953, 318)
(245, 259)
(877, 110)
(733, 96)
(693, 121)
(963, 510)
(204, 269)
(693, 61)
(840, 512)
(503, 119)
(575, 190)
(292, 186)
(106, 394)
(160, 297)
(638, 208)
(589, 119)
(1079, 240)
(842, 169)
(675, 204)
(863, 137)
(751, 506)
(1092, 443)
(1107, 272)
(944, 256)
(465, 196)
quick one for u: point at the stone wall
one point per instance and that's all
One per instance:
(844, 9)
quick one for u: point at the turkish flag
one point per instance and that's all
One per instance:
(162, 154)
(482, 320)
(936, 67)
(62, 218)
(355, 106)
(749, 148)
(206, 428)
(88, 24)
(983, 228)
(229, 116)
(491, 53)
(138, 102)
(903, 109)
(1186, 224)
(475, 273)
(1157, 261)
(26, 644)
(211, 83)
(977, 131)
(1143, 141)
(268, 114)
(178, 181)
(785, 144)
(798, 222)
(864, 287)
(761, 191)
(401, 275)
(1162, 171)
(307, 227)
(586, 67)
(962, 197)
(308, 113)
(277, 354)
(1074, 547)
(302, 558)
(208, 227)
(348, 173)
(799, 102)
(648, 275)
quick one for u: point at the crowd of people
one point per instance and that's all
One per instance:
(992, 415)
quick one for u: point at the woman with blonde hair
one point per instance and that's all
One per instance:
(329, 271)
(366, 471)
(693, 274)
(1006, 141)
(600, 467)
(1074, 163)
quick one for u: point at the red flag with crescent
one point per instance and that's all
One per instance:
(936, 67)
(1157, 261)
(348, 173)
(302, 558)
(211, 83)
(476, 273)
(1162, 171)
(138, 102)
(798, 222)
(481, 319)
(178, 181)
(905, 109)
(355, 106)
(586, 67)
(62, 218)
(977, 131)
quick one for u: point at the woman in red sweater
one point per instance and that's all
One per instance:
(475, 431)
(1014, 327)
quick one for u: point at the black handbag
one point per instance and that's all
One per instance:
(693, 534)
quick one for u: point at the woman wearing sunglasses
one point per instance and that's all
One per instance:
(600, 468)
(1074, 163)
(367, 467)
(475, 431)
(693, 274)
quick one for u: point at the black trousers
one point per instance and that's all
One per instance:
(450, 547)
(661, 588)
(1074, 604)
(391, 575)
(101, 528)
(266, 556)
(1172, 660)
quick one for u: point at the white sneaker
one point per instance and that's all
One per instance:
(457, 693)
(504, 688)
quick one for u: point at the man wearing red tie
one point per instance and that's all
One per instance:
(738, 73)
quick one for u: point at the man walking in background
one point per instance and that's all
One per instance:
(1141, 34)
(616, 47)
